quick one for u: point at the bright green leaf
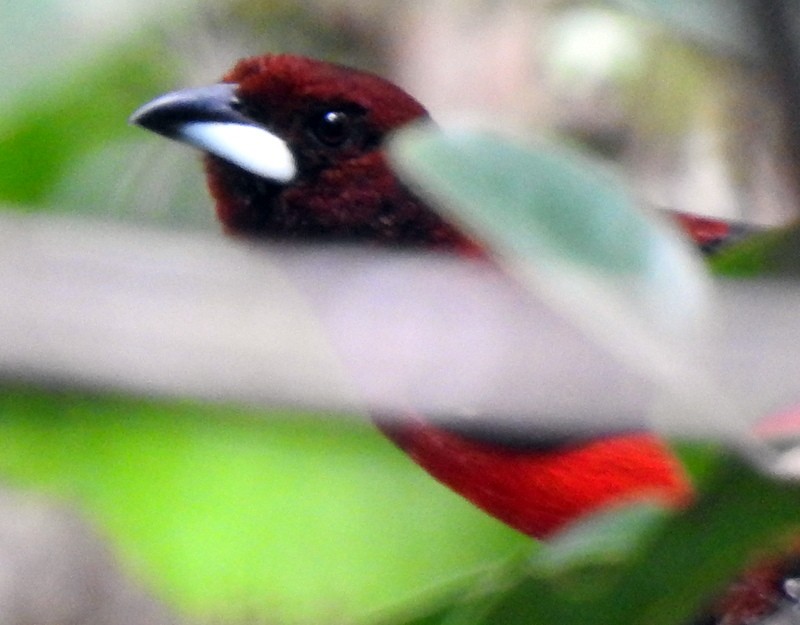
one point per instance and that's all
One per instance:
(232, 513)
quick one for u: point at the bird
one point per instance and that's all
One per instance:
(294, 150)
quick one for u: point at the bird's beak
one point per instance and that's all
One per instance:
(207, 118)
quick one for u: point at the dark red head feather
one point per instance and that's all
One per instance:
(335, 120)
(285, 84)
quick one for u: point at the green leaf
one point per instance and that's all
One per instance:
(604, 539)
(771, 253)
(232, 513)
(532, 200)
(45, 129)
(741, 513)
(551, 207)
(673, 566)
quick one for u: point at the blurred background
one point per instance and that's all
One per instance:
(216, 513)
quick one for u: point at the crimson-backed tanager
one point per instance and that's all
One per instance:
(293, 149)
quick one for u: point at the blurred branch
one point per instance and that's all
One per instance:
(336, 329)
(350, 330)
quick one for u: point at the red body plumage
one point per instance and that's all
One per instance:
(539, 492)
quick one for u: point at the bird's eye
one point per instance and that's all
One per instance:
(332, 128)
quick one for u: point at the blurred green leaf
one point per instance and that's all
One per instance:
(741, 513)
(537, 201)
(46, 128)
(570, 576)
(770, 253)
(668, 569)
(232, 513)
(605, 539)
(554, 208)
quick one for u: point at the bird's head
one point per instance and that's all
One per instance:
(294, 149)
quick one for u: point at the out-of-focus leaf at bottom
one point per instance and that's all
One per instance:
(226, 513)
(668, 569)
(770, 253)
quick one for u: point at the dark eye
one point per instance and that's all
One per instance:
(332, 128)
